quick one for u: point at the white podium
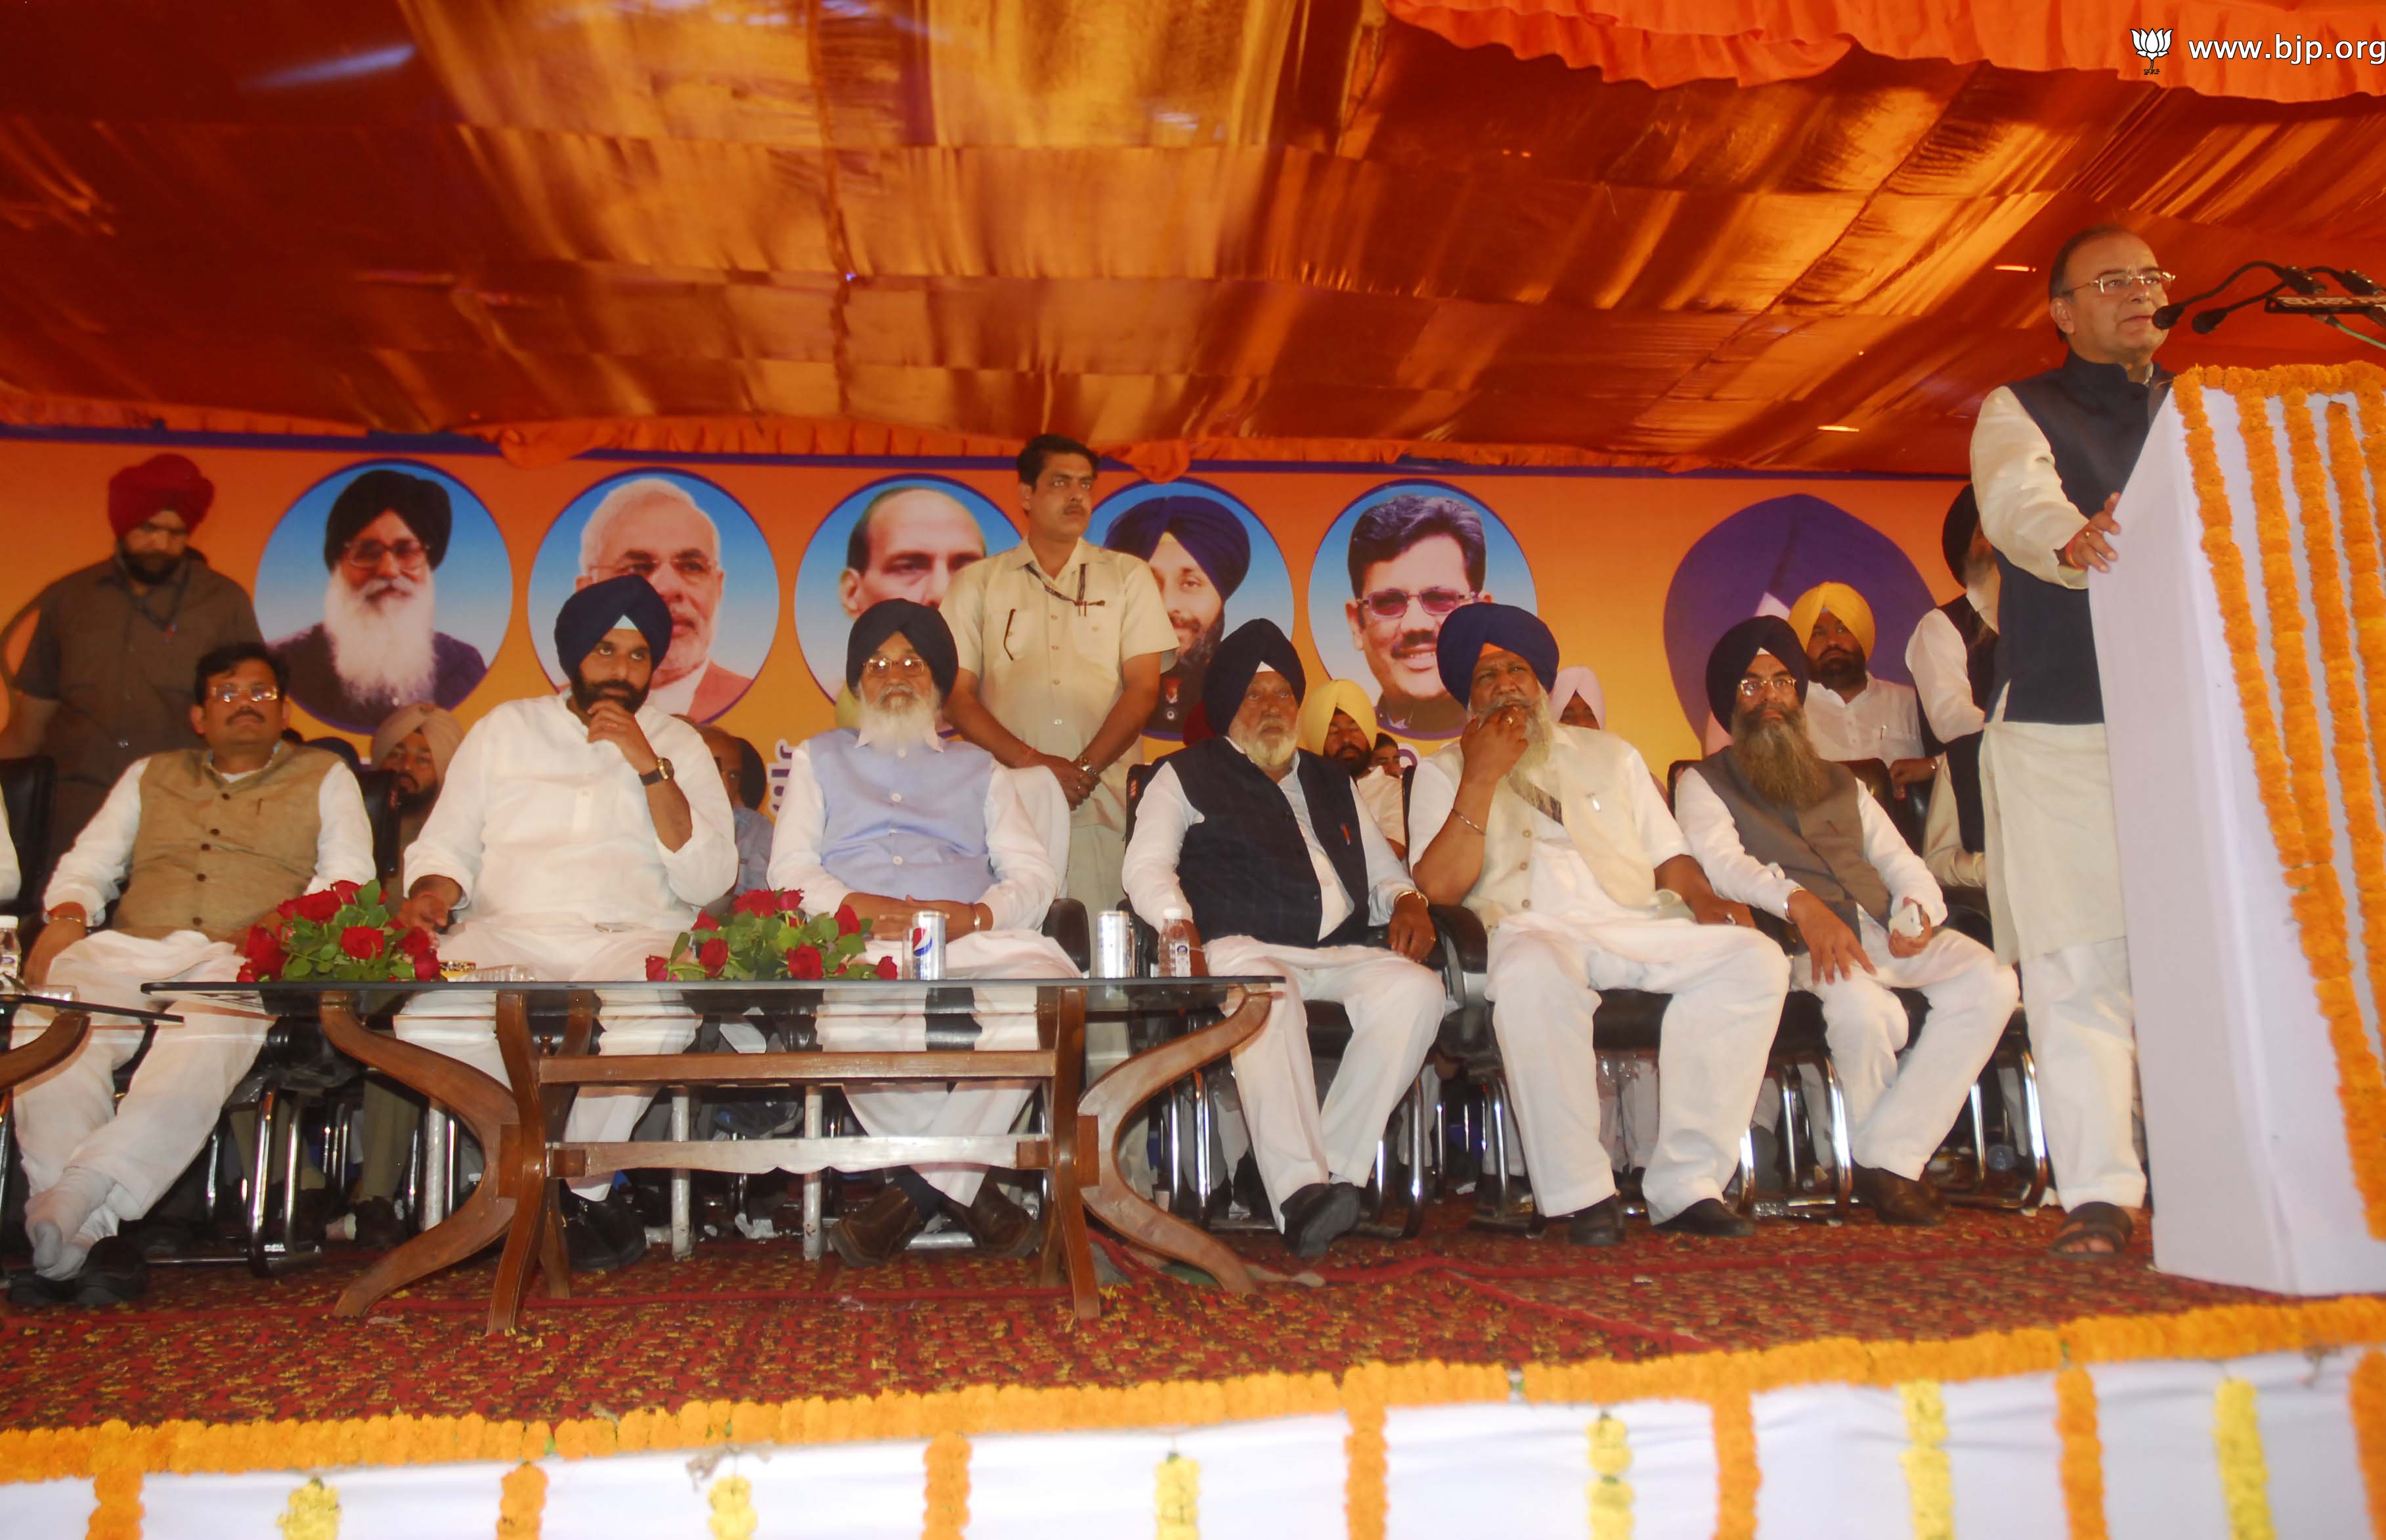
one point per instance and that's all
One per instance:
(2252, 1175)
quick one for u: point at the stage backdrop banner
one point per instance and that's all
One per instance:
(765, 560)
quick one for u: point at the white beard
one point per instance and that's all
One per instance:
(1540, 735)
(1272, 750)
(384, 652)
(908, 725)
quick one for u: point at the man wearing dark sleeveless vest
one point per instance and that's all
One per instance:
(887, 819)
(192, 847)
(2050, 455)
(1781, 829)
(1953, 657)
(1263, 846)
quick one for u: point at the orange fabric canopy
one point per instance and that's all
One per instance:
(1249, 229)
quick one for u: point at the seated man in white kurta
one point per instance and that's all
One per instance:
(569, 841)
(891, 819)
(1779, 827)
(192, 847)
(1556, 836)
(1266, 848)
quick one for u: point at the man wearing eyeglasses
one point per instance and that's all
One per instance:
(651, 528)
(1413, 558)
(378, 646)
(192, 847)
(2050, 455)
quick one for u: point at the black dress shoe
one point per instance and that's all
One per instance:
(876, 1231)
(378, 1226)
(1709, 1218)
(1601, 1224)
(114, 1273)
(999, 1226)
(1897, 1199)
(602, 1235)
(1317, 1214)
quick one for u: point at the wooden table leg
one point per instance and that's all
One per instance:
(1113, 1099)
(535, 1238)
(66, 1033)
(1061, 1026)
(485, 1108)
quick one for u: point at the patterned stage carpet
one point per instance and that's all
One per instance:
(753, 1321)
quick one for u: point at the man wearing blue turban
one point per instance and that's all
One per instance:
(1200, 552)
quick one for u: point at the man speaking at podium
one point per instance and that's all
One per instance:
(2050, 455)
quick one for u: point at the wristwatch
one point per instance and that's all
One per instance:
(661, 772)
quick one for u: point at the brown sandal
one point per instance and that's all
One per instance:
(2089, 1223)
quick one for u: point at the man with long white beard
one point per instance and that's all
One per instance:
(1776, 826)
(378, 645)
(888, 819)
(569, 844)
(1265, 848)
(652, 527)
(1558, 838)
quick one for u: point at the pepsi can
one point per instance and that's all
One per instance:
(1113, 944)
(927, 945)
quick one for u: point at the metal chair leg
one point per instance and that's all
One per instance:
(438, 1166)
(815, 1240)
(2041, 1165)
(1842, 1141)
(1204, 1175)
(260, 1180)
(683, 1185)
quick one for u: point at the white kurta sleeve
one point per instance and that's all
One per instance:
(342, 834)
(450, 843)
(1025, 883)
(704, 866)
(2023, 508)
(1942, 678)
(12, 878)
(1431, 797)
(1942, 839)
(795, 839)
(1388, 876)
(92, 872)
(1148, 873)
(1713, 835)
(1900, 870)
(1660, 835)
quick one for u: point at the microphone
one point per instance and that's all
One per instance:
(2168, 316)
(2206, 320)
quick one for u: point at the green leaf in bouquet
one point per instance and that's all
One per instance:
(298, 968)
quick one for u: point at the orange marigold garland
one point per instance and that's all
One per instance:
(1737, 1476)
(2083, 1454)
(118, 1457)
(2366, 1396)
(522, 1503)
(2367, 563)
(948, 1483)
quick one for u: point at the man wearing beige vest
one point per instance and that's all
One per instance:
(1778, 826)
(192, 847)
(1557, 838)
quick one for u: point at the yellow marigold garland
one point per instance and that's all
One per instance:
(2366, 1397)
(1176, 1498)
(2244, 1475)
(949, 1486)
(522, 1503)
(1610, 1495)
(2083, 1454)
(1737, 1476)
(732, 1516)
(1930, 1483)
(312, 1514)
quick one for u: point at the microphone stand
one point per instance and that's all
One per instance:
(2310, 297)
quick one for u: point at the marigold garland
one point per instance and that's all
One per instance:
(732, 1516)
(522, 1503)
(2244, 1475)
(1929, 1482)
(312, 1514)
(116, 1459)
(948, 1484)
(2366, 564)
(2366, 1398)
(1737, 1476)
(1176, 1498)
(1610, 1494)
(2083, 1454)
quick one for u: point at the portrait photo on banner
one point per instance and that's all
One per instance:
(900, 538)
(1217, 566)
(1761, 560)
(386, 584)
(705, 555)
(1392, 568)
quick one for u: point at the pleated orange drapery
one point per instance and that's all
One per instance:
(1663, 43)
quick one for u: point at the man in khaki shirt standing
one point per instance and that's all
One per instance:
(1062, 647)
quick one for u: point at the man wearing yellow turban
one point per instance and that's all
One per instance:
(1855, 717)
(1338, 725)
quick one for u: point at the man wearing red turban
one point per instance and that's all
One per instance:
(106, 678)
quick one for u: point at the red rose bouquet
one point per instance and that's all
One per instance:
(342, 932)
(768, 935)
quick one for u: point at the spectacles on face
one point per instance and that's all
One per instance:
(693, 566)
(1757, 686)
(2122, 282)
(255, 694)
(366, 554)
(1391, 604)
(909, 665)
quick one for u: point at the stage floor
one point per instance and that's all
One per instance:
(752, 1320)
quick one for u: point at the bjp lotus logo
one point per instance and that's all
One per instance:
(2152, 44)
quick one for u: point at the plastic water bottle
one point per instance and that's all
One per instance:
(1176, 945)
(12, 957)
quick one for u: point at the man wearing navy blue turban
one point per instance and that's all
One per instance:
(1198, 549)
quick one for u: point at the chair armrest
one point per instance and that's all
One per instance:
(1065, 923)
(1465, 951)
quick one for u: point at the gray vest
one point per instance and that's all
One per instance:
(1820, 848)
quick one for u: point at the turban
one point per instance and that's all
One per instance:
(1842, 601)
(439, 729)
(418, 500)
(925, 630)
(1253, 645)
(589, 616)
(1317, 713)
(161, 484)
(1472, 627)
(1205, 527)
(1955, 534)
(1728, 665)
(1579, 681)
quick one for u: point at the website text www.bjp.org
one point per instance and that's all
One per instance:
(2283, 49)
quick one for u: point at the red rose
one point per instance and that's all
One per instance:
(319, 907)
(246, 974)
(658, 969)
(887, 968)
(705, 922)
(713, 954)
(426, 969)
(345, 891)
(803, 963)
(362, 942)
(287, 908)
(847, 922)
(263, 951)
(415, 944)
(791, 900)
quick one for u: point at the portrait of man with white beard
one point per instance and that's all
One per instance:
(378, 645)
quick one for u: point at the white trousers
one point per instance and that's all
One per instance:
(916, 1109)
(2081, 1035)
(71, 1117)
(1394, 1007)
(1543, 977)
(1897, 1114)
(462, 1026)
